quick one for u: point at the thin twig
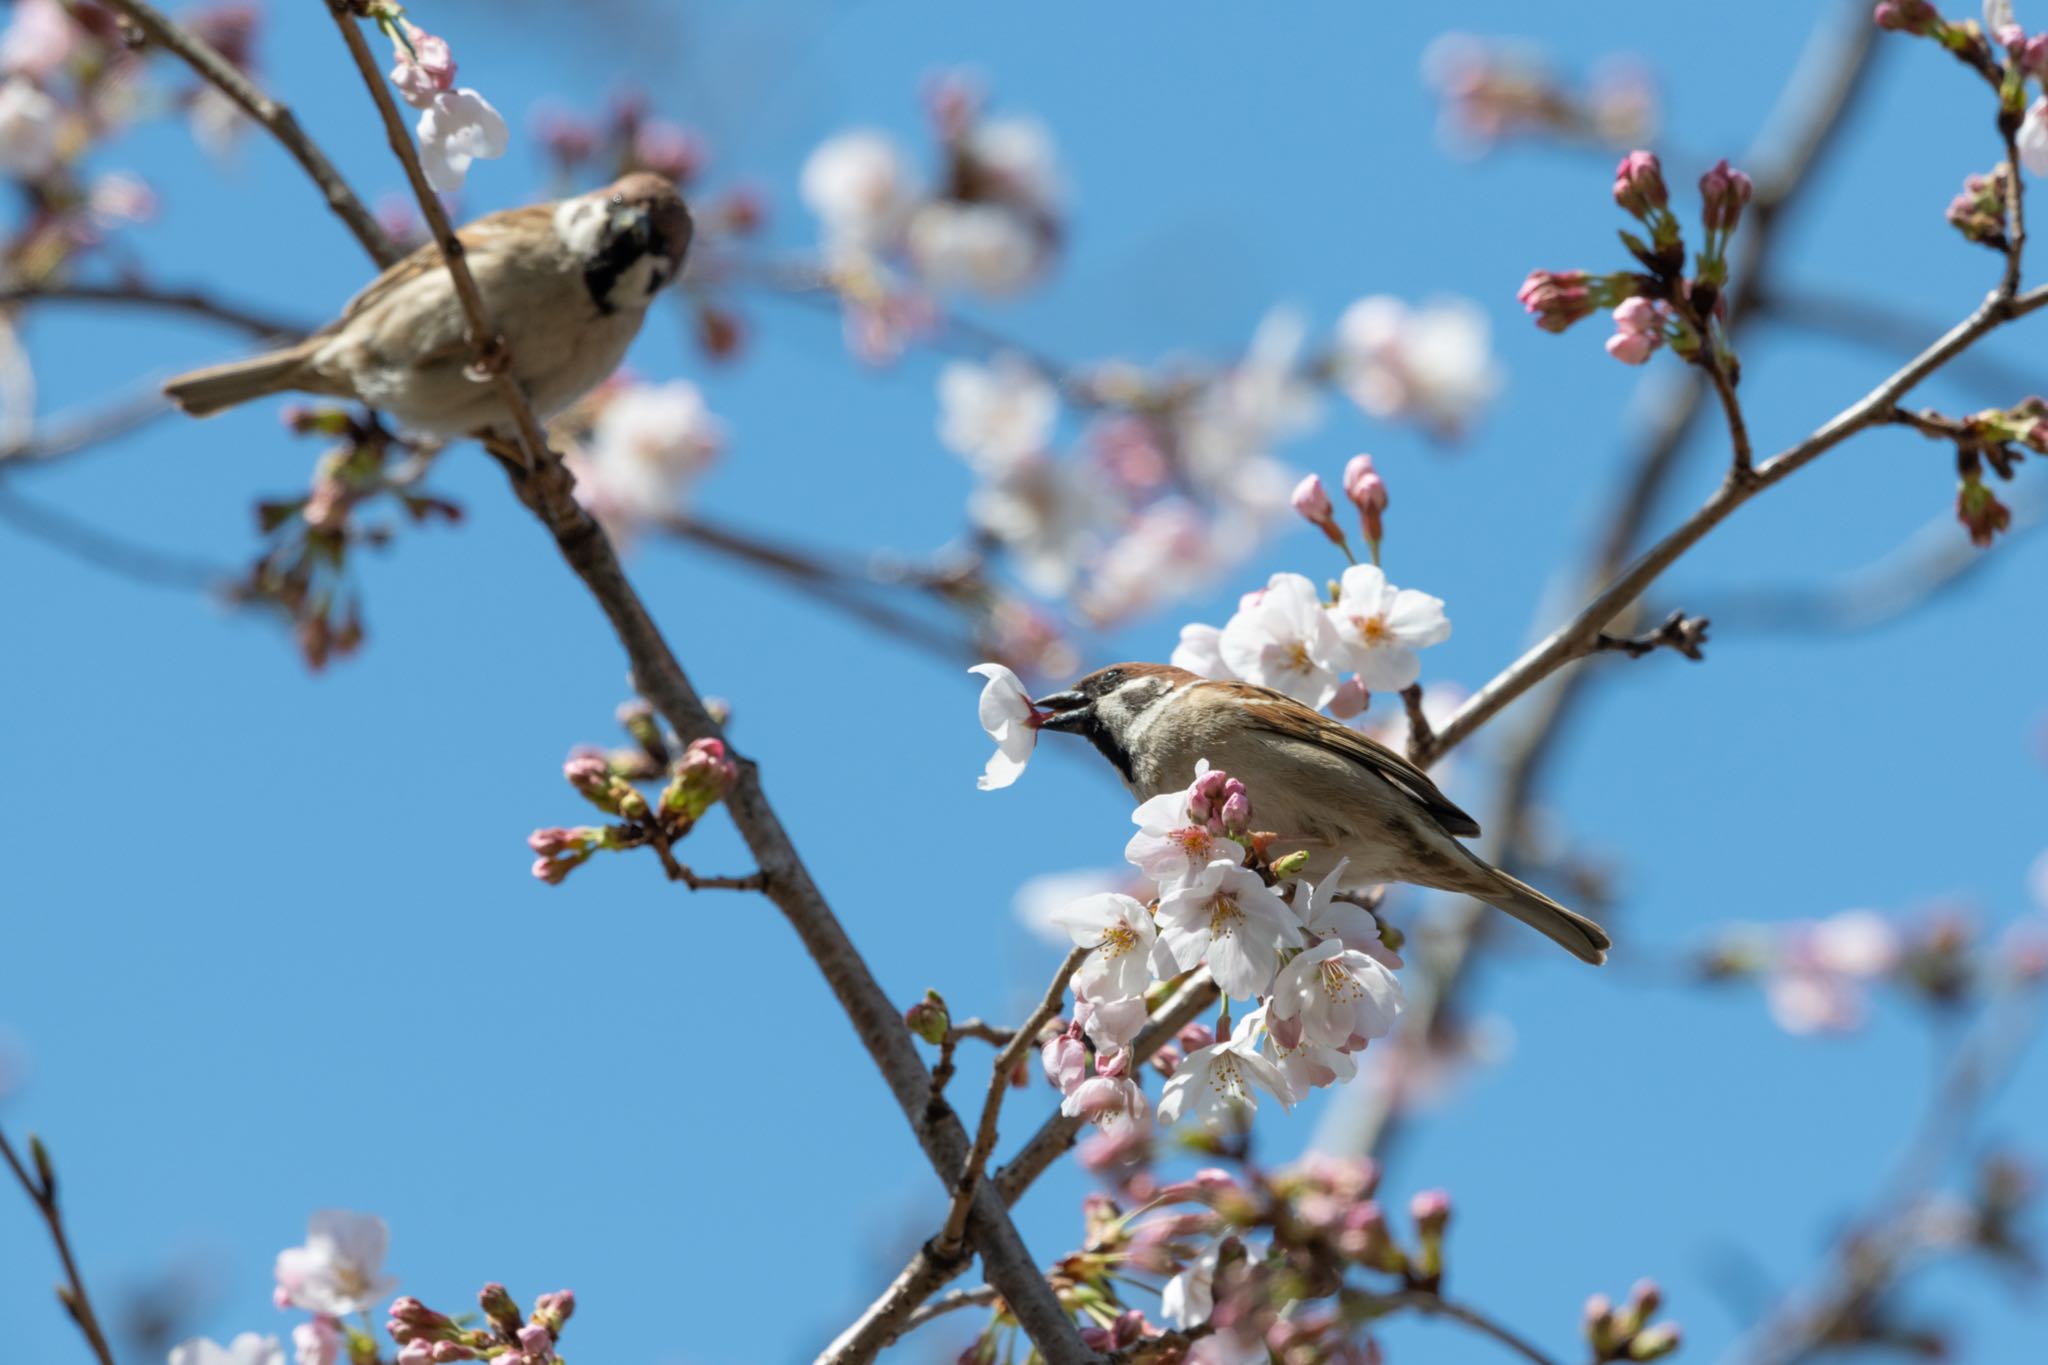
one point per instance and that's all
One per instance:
(487, 345)
(949, 1238)
(1432, 1304)
(222, 74)
(1731, 408)
(136, 563)
(1685, 634)
(193, 302)
(41, 1188)
(952, 1303)
(2015, 208)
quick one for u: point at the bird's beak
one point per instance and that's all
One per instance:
(1063, 711)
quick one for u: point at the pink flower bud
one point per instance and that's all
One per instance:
(1066, 1062)
(552, 1310)
(669, 150)
(548, 842)
(1908, 16)
(1351, 700)
(418, 1352)
(425, 71)
(1556, 298)
(703, 774)
(1368, 493)
(1237, 813)
(1431, 1210)
(587, 773)
(1313, 503)
(447, 1351)
(1639, 184)
(1723, 192)
(553, 871)
(1194, 1038)
(929, 1019)
(536, 1340)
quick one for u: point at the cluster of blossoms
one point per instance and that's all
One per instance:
(304, 567)
(1817, 975)
(457, 126)
(698, 775)
(583, 150)
(1659, 303)
(989, 222)
(338, 1274)
(68, 81)
(1295, 639)
(1494, 89)
(637, 449)
(1297, 1266)
(2006, 55)
(1314, 961)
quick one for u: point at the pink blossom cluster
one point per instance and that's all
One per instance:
(1817, 975)
(457, 126)
(1313, 964)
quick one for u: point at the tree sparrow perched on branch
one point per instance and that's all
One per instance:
(1322, 786)
(566, 283)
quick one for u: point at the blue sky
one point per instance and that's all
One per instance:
(272, 945)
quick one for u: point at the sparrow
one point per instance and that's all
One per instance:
(1323, 786)
(566, 283)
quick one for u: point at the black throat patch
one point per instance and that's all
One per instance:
(614, 259)
(1098, 734)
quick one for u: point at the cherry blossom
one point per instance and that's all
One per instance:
(1039, 900)
(1224, 436)
(1283, 639)
(1120, 930)
(2032, 138)
(1189, 1297)
(1107, 1101)
(1047, 513)
(1335, 997)
(996, 414)
(982, 247)
(336, 1272)
(1381, 626)
(1200, 651)
(1327, 917)
(458, 128)
(1218, 1085)
(247, 1349)
(1310, 1065)
(28, 130)
(1011, 721)
(1016, 154)
(1229, 917)
(1432, 363)
(40, 39)
(857, 184)
(646, 447)
(1171, 846)
(316, 1341)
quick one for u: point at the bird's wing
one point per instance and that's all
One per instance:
(477, 236)
(1278, 714)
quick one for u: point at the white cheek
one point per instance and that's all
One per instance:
(1144, 720)
(580, 225)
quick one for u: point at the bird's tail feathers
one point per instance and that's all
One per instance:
(1579, 936)
(205, 392)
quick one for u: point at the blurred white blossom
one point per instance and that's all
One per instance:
(1431, 363)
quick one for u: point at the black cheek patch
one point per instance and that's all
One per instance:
(614, 258)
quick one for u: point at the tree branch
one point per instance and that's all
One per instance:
(193, 302)
(41, 1188)
(991, 1107)
(1432, 1304)
(221, 73)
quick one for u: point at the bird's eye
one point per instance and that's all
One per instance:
(619, 200)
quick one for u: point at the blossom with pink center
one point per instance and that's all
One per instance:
(1219, 1085)
(1107, 1101)
(338, 1270)
(1171, 846)
(1379, 627)
(1283, 639)
(1119, 932)
(1231, 919)
(1011, 721)
(1431, 363)
(1334, 996)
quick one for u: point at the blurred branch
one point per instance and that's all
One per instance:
(192, 302)
(57, 437)
(1932, 561)
(1832, 74)
(222, 74)
(1871, 322)
(1844, 1310)
(137, 563)
(1432, 1304)
(953, 1302)
(41, 1188)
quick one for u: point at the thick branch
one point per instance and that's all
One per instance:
(41, 1188)
(221, 73)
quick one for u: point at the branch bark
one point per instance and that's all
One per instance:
(279, 120)
(41, 1188)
